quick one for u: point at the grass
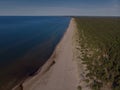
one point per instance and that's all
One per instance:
(99, 38)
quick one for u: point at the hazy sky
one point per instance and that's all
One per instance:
(60, 7)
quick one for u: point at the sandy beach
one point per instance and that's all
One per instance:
(60, 71)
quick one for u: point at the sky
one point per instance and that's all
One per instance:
(60, 7)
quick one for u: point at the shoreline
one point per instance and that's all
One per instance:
(60, 71)
(49, 63)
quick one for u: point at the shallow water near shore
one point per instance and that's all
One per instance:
(26, 42)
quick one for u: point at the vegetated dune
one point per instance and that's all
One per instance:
(99, 38)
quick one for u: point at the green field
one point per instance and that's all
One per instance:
(99, 38)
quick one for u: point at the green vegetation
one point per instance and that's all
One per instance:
(99, 38)
(87, 80)
(79, 88)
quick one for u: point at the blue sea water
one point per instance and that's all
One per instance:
(26, 42)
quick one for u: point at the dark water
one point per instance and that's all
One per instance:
(25, 45)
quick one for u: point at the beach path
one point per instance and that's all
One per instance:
(62, 75)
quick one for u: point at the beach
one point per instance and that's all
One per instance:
(60, 71)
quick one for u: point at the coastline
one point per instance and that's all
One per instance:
(45, 72)
(82, 70)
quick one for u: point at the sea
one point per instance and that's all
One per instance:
(26, 43)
